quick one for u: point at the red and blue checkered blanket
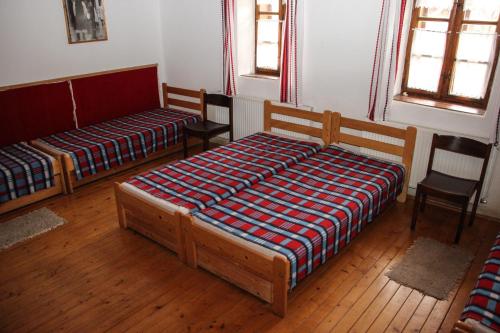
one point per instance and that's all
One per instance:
(311, 210)
(484, 301)
(23, 170)
(112, 143)
(205, 179)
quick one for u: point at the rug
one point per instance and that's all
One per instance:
(431, 267)
(28, 226)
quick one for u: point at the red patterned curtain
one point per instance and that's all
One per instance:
(288, 78)
(385, 64)
(228, 37)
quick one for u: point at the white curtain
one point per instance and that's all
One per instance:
(437, 4)
(386, 57)
(228, 47)
(289, 71)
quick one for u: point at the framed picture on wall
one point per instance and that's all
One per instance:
(85, 21)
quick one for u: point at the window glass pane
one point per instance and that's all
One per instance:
(268, 29)
(424, 73)
(473, 62)
(267, 42)
(469, 79)
(427, 53)
(435, 8)
(476, 42)
(268, 5)
(482, 10)
(267, 56)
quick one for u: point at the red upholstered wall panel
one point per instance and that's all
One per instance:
(33, 112)
(108, 96)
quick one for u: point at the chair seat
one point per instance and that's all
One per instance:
(207, 126)
(450, 185)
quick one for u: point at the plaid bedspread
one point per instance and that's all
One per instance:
(112, 143)
(311, 210)
(484, 301)
(203, 180)
(23, 170)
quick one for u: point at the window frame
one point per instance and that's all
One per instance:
(281, 16)
(456, 20)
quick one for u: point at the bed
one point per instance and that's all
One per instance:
(157, 203)
(98, 150)
(482, 312)
(27, 175)
(268, 237)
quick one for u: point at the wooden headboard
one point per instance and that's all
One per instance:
(183, 103)
(405, 151)
(324, 118)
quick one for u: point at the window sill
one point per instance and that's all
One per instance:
(260, 76)
(440, 105)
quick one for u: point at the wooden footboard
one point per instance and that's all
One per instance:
(160, 225)
(264, 275)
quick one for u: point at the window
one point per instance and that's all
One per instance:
(452, 51)
(269, 15)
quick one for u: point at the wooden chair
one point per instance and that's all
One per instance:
(453, 189)
(208, 129)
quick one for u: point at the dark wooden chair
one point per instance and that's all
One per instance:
(455, 190)
(208, 129)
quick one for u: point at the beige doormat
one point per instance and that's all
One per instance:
(28, 226)
(431, 267)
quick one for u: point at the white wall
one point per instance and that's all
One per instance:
(34, 43)
(192, 37)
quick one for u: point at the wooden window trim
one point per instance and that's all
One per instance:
(281, 15)
(456, 21)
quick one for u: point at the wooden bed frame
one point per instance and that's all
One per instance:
(262, 272)
(67, 163)
(58, 188)
(163, 225)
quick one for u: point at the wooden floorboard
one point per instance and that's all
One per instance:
(91, 276)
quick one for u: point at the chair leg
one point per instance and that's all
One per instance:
(461, 223)
(474, 209)
(206, 143)
(185, 145)
(424, 201)
(415, 208)
(231, 136)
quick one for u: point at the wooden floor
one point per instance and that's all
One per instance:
(89, 275)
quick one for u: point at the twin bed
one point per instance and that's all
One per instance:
(267, 230)
(96, 151)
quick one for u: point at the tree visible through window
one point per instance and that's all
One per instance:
(269, 16)
(452, 50)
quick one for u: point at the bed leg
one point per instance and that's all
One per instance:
(67, 174)
(189, 243)
(280, 285)
(122, 220)
(181, 240)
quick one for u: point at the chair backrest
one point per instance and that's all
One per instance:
(464, 146)
(218, 100)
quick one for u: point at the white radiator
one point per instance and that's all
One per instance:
(248, 119)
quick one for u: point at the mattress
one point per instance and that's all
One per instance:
(207, 178)
(484, 302)
(113, 143)
(24, 170)
(310, 211)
